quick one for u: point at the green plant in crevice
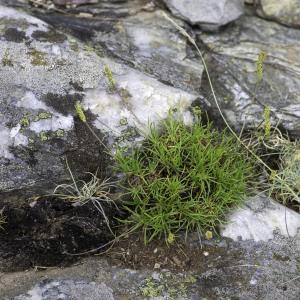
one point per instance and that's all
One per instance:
(260, 66)
(182, 178)
(267, 122)
(80, 112)
(81, 115)
(110, 78)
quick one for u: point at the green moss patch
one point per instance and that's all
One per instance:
(48, 135)
(38, 58)
(25, 121)
(169, 285)
(7, 60)
(42, 116)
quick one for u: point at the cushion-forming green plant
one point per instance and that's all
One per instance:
(183, 178)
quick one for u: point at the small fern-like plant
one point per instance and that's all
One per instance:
(183, 178)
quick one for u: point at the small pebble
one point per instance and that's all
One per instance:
(32, 204)
(205, 253)
(157, 266)
(156, 276)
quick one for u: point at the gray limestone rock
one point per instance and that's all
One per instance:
(209, 14)
(284, 11)
(43, 74)
(232, 62)
(151, 43)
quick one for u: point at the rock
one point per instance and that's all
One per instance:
(233, 270)
(152, 44)
(73, 2)
(258, 220)
(107, 10)
(43, 74)
(68, 289)
(147, 99)
(209, 14)
(145, 40)
(232, 63)
(285, 11)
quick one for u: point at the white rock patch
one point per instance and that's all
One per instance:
(10, 137)
(258, 220)
(68, 289)
(55, 122)
(148, 101)
(30, 101)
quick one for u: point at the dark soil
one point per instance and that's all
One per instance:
(182, 255)
(48, 232)
(45, 232)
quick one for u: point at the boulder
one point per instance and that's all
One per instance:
(285, 11)
(232, 62)
(43, 74)
(259, 218)
(209, 14)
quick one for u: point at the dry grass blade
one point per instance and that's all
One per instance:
(95, 191)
